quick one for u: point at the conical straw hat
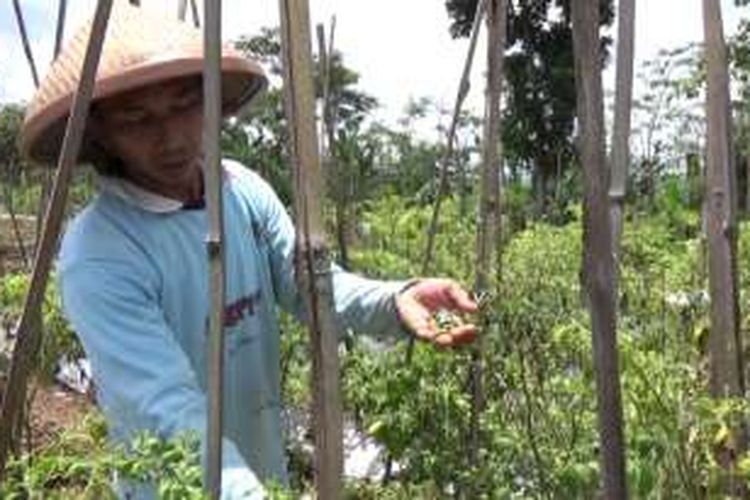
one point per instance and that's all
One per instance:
(139, 49)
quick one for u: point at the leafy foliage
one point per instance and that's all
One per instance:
(59, 341)
(81, 464)
(539, 118)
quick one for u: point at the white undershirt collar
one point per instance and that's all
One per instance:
(137, 196)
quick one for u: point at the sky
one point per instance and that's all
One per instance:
(401, 48)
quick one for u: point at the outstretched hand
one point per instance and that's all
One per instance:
(418, 304)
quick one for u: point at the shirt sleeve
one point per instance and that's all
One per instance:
(362, 304)
(144, 378)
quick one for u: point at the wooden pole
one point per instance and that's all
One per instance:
(598, 258)
(61, 10)
(488, 202)
(620, 155)
(25, 41)
(28, 337)
(181, 9)
(313, 266)
(194, 10)
(215, 240)
(725, 345)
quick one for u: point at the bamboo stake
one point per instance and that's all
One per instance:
(598, 258)
(312, 256)
(215, 240)
(181, 9)
(25, 42)
(725, 341)
(61, 10)
(488, 203)
(463, 89)
(28, 337)
(12, 213)
(620, 155)
(332, 168)
(194, 10)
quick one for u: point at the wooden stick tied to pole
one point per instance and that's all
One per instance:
(28, 338)
(313, 266)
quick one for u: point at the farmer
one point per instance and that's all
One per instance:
(133, 266)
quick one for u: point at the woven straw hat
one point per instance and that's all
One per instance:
(140, 49)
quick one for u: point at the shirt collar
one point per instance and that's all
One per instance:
(137, 196)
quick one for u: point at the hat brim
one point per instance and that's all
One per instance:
(242, 80)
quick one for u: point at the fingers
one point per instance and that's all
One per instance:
(443, 294)
(460, 299)
(460, 335)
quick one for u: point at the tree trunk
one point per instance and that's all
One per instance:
(725, 347)
(620, 155)
(598, 258)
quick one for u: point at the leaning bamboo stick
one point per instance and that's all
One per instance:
(312, 257)
(463, 90)
(25, 42)
(28, 333)
(61, 10)
(215, 239)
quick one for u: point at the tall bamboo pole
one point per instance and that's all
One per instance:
(488, 203)
(620, 155)
(28, 337)
(725, 345)
(312, 256)
(598, 258)
(215, 239)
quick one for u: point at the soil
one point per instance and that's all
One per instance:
(54, 410)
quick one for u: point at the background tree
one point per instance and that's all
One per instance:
(541, 107)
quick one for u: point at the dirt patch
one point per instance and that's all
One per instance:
(54, 410)
(11, 255)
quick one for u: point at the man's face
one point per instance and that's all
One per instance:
(157, 133)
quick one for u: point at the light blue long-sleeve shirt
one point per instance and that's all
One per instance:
(134, 283)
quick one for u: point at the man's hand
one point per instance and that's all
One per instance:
(418, 303)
